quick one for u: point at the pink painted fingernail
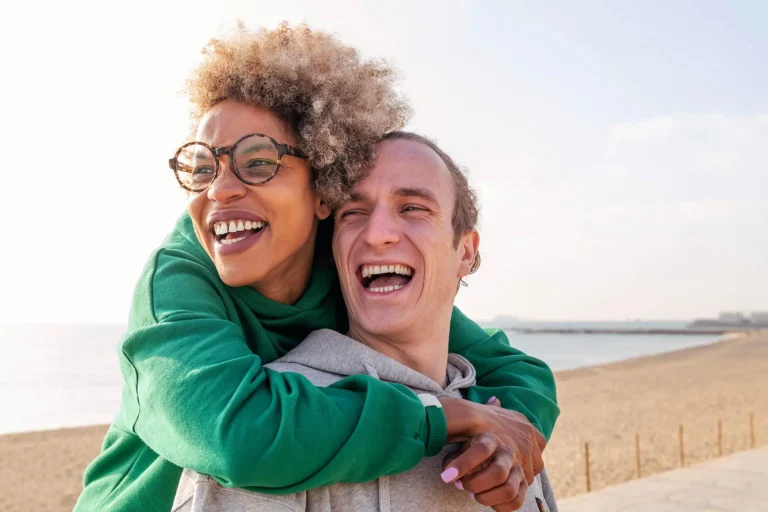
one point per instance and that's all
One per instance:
(449, 474)
(458, 485)
(472, 495)
(491, 399)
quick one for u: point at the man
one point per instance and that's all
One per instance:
(402, 244)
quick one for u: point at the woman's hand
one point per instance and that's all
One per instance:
(467, 420)
(495, 478)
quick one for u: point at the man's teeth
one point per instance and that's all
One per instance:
(233, 226)
(372, 270)
(385, 289)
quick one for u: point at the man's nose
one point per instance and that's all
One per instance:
(382, 229)
(226, 187)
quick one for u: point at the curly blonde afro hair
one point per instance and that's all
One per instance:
(338, 104)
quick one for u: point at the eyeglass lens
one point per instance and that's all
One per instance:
(255, 160)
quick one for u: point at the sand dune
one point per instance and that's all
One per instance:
(604, 405)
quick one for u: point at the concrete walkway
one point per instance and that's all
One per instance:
(737, 482)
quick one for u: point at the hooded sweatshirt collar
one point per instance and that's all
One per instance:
(333, 352)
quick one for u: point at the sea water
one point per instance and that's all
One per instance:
(55, 376)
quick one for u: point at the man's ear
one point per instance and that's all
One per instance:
(467, 252)
(321, 209)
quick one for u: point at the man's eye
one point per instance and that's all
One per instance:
(412, 208)
(350, 213)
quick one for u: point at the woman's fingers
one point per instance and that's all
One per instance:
(478, 450)
(494, 474)
(489, 470)
(538, 461)
(528, 467)
(506, 497)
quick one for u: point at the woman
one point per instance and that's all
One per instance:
(286, 120)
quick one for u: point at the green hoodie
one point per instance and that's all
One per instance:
(196, 394)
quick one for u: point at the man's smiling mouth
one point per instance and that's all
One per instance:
(385, 278)
(233, 231)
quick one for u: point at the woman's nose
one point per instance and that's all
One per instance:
(226, 187)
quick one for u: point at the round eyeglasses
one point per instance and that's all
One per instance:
(254, 159)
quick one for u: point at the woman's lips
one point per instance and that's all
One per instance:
(237, 242)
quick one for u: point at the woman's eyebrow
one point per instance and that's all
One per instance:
(256, 147)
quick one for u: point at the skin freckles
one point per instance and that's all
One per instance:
(279, 264)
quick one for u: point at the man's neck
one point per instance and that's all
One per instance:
(422, 348)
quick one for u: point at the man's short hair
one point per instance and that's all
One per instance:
(465, 209)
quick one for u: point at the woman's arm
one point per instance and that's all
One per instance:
(201, 398)
(522, 383)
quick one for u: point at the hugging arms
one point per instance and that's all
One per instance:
(279, 137)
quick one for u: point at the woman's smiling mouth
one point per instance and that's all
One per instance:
(235, 234)
(234, 231)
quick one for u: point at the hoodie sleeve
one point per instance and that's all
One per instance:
(200, 398)
(521, 382)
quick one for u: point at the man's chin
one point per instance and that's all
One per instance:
(387, 324)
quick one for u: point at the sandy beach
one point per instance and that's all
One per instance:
(603, 405)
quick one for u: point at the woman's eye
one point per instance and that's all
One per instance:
(203, 170)
(258, 163)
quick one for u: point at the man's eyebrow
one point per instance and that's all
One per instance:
(358, 197)
(422, 193)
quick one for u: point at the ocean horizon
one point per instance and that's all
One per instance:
(67, 375)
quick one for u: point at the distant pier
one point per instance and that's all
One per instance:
(566, 330)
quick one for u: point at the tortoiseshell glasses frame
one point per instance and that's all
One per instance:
(180, 167)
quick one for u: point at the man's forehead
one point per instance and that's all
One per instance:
(407, 164)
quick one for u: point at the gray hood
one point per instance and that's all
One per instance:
(330, 352)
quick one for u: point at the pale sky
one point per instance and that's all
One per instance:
(620, 148)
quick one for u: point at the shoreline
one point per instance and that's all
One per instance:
(646, 359)
(603, 404)
(557, 372)
(626, 332)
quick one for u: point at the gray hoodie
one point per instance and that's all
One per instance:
(324, 358)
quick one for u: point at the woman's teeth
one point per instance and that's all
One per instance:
(231, 241)
(233, 226)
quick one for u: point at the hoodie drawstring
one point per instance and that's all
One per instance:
(383, 482)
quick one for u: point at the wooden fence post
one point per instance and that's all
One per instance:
(752, 430)
(637, 455)
(719, 437)
(682, 448)
(586, 466)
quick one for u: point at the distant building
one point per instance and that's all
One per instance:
(759, 317)
(732, 318)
